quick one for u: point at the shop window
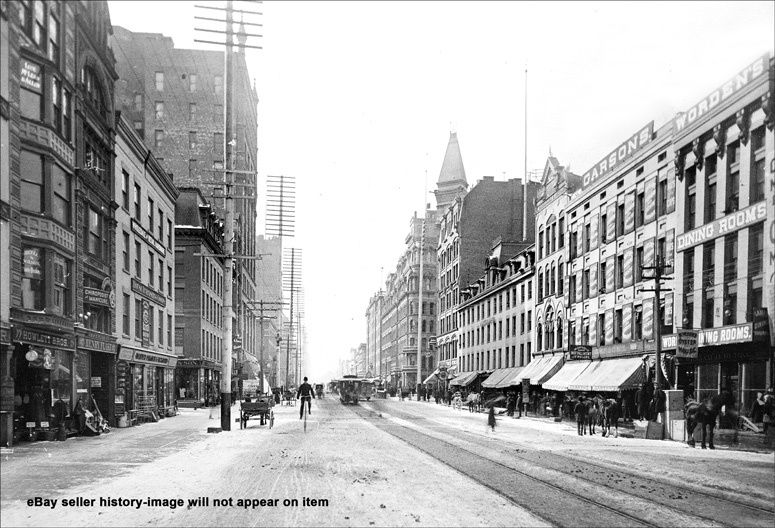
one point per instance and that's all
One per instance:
(33, 278)
(757, 165)
(707, 379)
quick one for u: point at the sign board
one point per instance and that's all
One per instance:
(96, 381)
(442, 374)
(740, 333)
(148, 292)
(761, 325)
(99, 297)
(619, 155)
(723, 226)
(35, 337)
(30, 75)
(685, 121)
(687, 344)
(146, 340)
(655, 431)
(580, 352)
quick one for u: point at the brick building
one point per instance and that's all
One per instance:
(199, 298)
(145, 264)
(175, 100)
(58, 151)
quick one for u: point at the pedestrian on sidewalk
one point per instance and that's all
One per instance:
(519, 404)
(581, 415)
(768, 411)
(491, 418)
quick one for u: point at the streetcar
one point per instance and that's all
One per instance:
(353, 389)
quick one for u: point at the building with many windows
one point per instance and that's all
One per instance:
(199, 293)
(57, 134)
(145, 275)
(374, 332)
(175, 100)
(495, 312)
(724, 153)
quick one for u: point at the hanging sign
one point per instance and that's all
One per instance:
(30, 75)
(146, 324)
(580, 352)
(687, 344)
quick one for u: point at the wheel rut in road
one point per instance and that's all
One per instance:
(684, 506)
(546, 500)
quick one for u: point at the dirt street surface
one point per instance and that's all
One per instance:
(382, 463)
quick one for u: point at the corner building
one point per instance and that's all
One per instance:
(725, 162)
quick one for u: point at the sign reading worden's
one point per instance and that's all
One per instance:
(620, 154)
(693, 116)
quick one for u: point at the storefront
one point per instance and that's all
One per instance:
(145, 382)
(45, 387)
(95, 372)
(197, 382)
(733, 357)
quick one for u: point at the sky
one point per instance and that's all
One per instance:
(357, 100)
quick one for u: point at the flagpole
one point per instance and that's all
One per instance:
(524, 178)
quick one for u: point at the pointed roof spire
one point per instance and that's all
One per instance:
(452, 168)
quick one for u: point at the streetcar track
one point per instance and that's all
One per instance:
(485, 483)
(693, 489)
(554, 467)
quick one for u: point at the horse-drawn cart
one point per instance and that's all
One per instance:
(262, 408)
(289, 398)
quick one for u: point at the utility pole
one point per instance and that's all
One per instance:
(228, 157)
(658, 277)
(261, 318)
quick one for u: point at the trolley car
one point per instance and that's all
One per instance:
(352, 389)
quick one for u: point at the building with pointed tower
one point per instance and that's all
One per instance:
(471, 223)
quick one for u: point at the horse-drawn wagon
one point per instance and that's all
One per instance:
(262, 408)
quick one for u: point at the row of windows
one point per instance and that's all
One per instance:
(211, 310)
(492, 359)
(126, 259)
(483, 334)
(213, 276)
(710, 180)
(449, 254)
(495, 305)
(705, 293)
(551, 239)
(210, 346)
(159, 332)
(192, 82)
(155, 214)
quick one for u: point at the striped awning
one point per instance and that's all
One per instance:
(502, 378)
(541, 369)
(609, 375)
(464, 379)
(566, 375)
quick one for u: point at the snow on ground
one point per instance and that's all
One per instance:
(368, 477)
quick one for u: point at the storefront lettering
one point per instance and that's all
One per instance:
(148, 237)
(150, 358)
(30, 75)
(100, 297)
(107, 347)
(685, 119)
(732, 222)
(24, 335)
(742, 333)
(621, 153)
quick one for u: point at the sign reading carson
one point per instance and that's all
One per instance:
(621, 153)
(693, 115)
(730, 223)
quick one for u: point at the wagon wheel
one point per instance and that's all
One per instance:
(271, 419)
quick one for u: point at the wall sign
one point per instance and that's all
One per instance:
(692, 117)
(98, 345)
(99, 297)
(580, 352)
(30, 75)
(35, 337)
(740, 333)
(148, 292)
(146, 339)
(620, 154)
(729, 224)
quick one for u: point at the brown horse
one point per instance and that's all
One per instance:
(705, 413)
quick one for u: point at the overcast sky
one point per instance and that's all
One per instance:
(357, 101)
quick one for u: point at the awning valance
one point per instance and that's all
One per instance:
(540, 369)
(502, 378)
(566, 375)
(618, 374)
(610, 375)
(464, 379)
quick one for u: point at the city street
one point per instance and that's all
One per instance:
(382, 463)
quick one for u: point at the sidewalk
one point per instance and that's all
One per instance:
(723, 438)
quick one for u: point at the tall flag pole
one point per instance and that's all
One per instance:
(524, 177)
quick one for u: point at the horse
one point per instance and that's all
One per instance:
(612, 410)
(592, 414)
(473, 401)
(705, 413)
(457, 401)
